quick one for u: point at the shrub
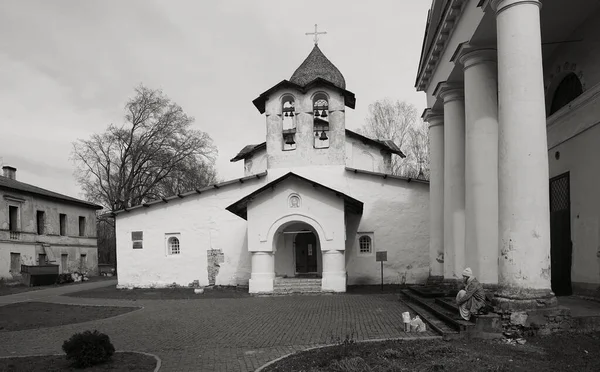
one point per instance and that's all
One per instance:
(88, 348)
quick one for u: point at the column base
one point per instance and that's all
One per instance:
(334, 281)
(261, 283)
(523, 299)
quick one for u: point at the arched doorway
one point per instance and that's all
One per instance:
(297, 251)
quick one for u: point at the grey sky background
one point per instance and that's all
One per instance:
(68, 67)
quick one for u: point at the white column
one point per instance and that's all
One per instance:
(263, 272)
(454, 181)
(436, 192)
(334, 271)
(524, 216)
(481, 163)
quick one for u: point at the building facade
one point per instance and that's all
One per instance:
(512, 91)
(39, 227)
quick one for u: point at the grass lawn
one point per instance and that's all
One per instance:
(59, 363)
(8, 289)
(562, 352)
(112, 292)
(30, 315)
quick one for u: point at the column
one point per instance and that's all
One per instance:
(454, 181)
(263, 272)
(524, 216)
(436, 192)
(334, 271)
(481, 163)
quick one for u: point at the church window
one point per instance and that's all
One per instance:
(321, 121)
(568, 89)
(173, 244)
(288, 116)
(365, 244)
(136, 238)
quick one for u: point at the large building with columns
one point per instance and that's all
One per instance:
(512, 91)
(317, 201)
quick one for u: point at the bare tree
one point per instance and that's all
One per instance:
(155, 154)
(399, 121)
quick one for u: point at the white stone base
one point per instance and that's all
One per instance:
(261, 283)
(334, 281)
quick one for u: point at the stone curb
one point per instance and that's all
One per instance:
(261, 368)
(158, 360)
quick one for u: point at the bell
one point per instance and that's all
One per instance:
(316, 113)
(324, 114)
(290, 140)
(323, 136)
(292, 114)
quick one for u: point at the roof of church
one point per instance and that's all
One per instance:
(239, 208)
(12, 184)
(388, 145)
(316, 65)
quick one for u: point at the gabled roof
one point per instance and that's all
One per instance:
(240, 207)
(387, 145)
(11, 184)
(316, 65)
(259, 103)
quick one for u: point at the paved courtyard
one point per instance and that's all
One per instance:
(237, 334)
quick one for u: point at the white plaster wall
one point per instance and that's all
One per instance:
(257, 163)
(203, 223)
(305, 154)
(363, 156)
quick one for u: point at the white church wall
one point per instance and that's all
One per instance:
(397, 212)
(305, 154)
(203, 224)
(257, 163)
(366, 157)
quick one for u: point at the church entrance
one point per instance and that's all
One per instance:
(305, 247)
(561, 247)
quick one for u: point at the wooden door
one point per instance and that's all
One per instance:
(306, 253)
(561, 247)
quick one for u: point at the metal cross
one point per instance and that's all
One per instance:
(316, 34)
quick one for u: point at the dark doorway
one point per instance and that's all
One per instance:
(561, 247)
(306, 253)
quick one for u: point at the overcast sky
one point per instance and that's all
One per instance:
(68, 67)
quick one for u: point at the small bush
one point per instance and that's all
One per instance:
(88, 348)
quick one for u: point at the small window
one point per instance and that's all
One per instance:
(173, 245)
(13, 218)
(63, 224)
(41, 222)
(136, 238)
(81, 226)
(321, 121)
(83, 261)
(365, 244)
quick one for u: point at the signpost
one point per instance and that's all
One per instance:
(381, 256)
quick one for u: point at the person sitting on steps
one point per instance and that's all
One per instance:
(470, 300)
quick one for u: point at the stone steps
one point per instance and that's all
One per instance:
(296, 285)
(453, 320)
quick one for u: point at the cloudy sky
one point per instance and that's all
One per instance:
(68, 67)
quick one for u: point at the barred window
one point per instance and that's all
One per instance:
(173, 245)
(364, 244)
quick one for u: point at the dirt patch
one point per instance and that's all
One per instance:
(161, 293)
(14, 288)
(121, 361)
(560, 352)
(32, 315)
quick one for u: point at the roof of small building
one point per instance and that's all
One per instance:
(388, 145)
(239, 208)
(12, 184)
(316, 65)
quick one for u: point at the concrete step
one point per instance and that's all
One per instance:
(451, 318)
(433, 322)
(428, 291)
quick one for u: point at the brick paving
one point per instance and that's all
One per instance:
(238, 334)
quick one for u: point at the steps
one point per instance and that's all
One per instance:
(296, 285)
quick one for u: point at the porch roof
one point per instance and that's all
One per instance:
(240, 207)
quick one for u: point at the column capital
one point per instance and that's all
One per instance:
(469, 56)
(501, 5)
(434, 118)
(449, 92)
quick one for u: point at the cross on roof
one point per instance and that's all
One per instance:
(316, 34)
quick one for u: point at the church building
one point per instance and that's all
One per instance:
(513, 91)
(315, 205)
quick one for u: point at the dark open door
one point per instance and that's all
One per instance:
(306, 253)
(561, 247)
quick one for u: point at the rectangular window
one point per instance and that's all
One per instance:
(41, 221)
(64, 263)
(42, 259)
(83, 261)
(63, 224)
(13, 218)
(15, 263)
(81, 226)
(137, 237)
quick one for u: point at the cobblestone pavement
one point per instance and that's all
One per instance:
(225, 334)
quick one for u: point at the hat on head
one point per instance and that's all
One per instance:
(468, 272)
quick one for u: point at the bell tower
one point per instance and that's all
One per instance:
(305, 115)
